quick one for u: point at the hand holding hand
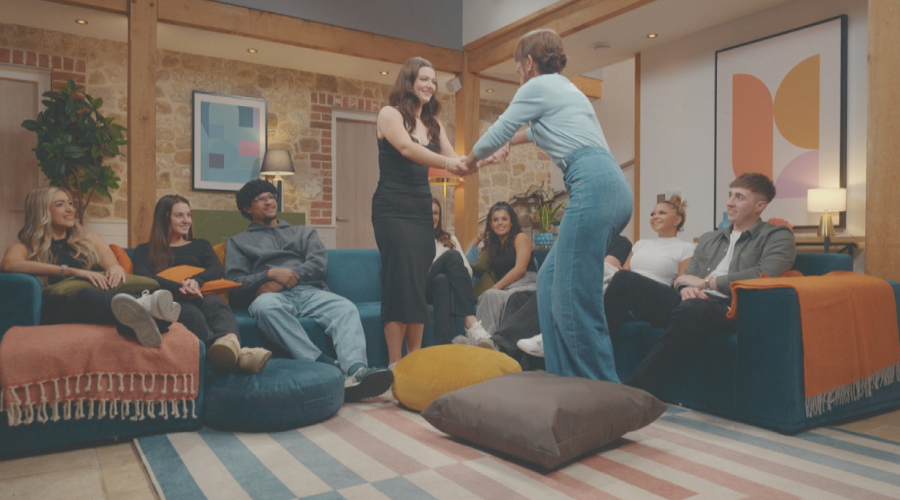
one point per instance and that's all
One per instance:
(115, 275)
(455, 166)
(190, 288)
(498, 156)
(283, 276)
(270, 287)
(470, 163)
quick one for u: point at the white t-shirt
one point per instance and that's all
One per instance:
(659, 259)
(725, 263)
(439, 250)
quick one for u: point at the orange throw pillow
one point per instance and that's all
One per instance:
(181, 273)
(122, 257)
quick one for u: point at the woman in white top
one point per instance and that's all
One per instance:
(449, 284)
(645, 281)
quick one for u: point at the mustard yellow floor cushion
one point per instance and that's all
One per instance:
(429, 373)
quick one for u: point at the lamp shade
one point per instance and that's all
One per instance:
(830, 199)
(442, 177)
(277, 162)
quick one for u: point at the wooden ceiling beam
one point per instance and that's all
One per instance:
(565, 17)
(229, 19)
(114, 6)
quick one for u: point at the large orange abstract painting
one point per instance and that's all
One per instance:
(781, 111)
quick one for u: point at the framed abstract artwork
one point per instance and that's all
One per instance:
(229, 138)
(781, 110)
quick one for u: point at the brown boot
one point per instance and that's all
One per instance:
(224, 353)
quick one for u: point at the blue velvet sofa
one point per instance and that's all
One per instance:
(756, 374)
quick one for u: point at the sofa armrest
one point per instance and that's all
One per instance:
(20, 301)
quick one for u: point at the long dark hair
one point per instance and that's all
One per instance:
(406, 101)
(439, 233)
(159, 253)
(492, 244)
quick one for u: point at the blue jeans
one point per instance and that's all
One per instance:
(570, 281)
(277, 315)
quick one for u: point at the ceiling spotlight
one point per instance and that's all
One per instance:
(252, 51)
(81, 21)
(600, 47)
(490, 91)
(652, 35)
(384, 72)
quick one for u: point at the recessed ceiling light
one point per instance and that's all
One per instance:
(490, 91)
(252, 51)
(600, 47)
(384, 72)
(652, 35)
(81, 21)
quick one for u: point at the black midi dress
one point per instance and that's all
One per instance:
(404, 232)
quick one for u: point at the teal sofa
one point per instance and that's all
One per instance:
(756, 374)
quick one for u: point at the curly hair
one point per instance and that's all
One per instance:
(37, 233)
(545, 47)
(159, 252)
(406, 101)
(492, 244)
(251, 190)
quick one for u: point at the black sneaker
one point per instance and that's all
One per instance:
(367, 383)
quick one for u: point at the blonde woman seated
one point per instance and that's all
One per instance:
(54, 247)
(209, 317)
(644, 284)
(506, 267)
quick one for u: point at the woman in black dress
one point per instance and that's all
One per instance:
(410, 140)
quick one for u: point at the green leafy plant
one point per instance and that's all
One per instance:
(543, 205)
(73, 141)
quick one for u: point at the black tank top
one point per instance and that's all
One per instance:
(62, 254)
(506, 260)
(403, 190)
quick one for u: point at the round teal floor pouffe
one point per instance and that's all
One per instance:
(287, 394)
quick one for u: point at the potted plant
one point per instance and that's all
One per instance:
(73, 140)
(544, 208)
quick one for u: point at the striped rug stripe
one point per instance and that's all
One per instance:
(377, 451)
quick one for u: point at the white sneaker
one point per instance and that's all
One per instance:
(476, 333)
(161, 305)
(130, 312)
(533, 346)
(462, 340)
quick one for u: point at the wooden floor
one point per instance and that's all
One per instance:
(115, 472)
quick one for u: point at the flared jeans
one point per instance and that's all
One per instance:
(570, 281)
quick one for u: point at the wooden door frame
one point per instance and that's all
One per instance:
(27, 74)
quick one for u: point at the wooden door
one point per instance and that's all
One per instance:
(19, 101)
(356, 177)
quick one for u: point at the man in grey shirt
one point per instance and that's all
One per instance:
(702, 295)
(282, 268)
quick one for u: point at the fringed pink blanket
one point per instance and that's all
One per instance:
(90, 371)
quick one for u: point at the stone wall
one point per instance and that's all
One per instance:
(300, 106)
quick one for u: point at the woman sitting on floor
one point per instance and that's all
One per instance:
(80, 274)
(209, 317)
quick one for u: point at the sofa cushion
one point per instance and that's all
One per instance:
(181, 273)
(542, 418)
(425, 375)
(133, 284)
(287, 394)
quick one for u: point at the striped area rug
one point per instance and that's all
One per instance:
(378, 451)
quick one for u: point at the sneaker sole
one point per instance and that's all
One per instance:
(374, 385)
(132, 314)
(222, 358)
(169, 310)
(487, 344)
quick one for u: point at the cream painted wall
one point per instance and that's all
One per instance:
(677, 109)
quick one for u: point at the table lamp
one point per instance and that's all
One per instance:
(826, 200)
(277, 163)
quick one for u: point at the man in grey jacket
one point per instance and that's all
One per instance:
(702, 295)
(282, 269)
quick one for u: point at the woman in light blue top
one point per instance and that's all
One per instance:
(563, 123)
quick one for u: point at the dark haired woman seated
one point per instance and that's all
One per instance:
(172, 244)
(80, 274)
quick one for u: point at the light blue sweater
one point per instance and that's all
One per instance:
(561, 117)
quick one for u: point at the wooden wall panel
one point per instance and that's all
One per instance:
(466, 194)
(883, 154)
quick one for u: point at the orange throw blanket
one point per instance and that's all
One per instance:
(849, 329)
(71, 371)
